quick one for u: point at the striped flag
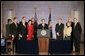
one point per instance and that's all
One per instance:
(35, 18)
(35, 25)
(49, 23)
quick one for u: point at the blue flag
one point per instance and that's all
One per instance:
(49, 19)
(49, 23)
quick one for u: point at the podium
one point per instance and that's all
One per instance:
(43, 41)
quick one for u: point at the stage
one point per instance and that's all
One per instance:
(31, 47)
(55, 47)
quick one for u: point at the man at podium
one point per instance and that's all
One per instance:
(43, 25)
(43, 40)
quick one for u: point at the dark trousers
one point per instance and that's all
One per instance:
(35, 36)
(14, 44)
(71, 42)
(76, 41)
(51, 35)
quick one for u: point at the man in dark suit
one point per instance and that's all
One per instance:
(8, 35)
(14, 32)
(8, 28)
(76, 35)
(23, 28)
(43, 25)
(59, 29)
(14, 29)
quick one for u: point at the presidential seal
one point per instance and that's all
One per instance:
(43, 32)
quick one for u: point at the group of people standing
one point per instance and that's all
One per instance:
(70, 31)
(28, 30)
(23, 29)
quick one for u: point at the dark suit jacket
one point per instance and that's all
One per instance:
(77, 30)
(14, 29)
(7, 30)
(35, 25)
(59, 28)
(41, 27)
(23, 29)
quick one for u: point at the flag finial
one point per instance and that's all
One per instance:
(35, 8)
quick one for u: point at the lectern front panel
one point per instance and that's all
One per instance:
(43, 33)
(43, 40)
